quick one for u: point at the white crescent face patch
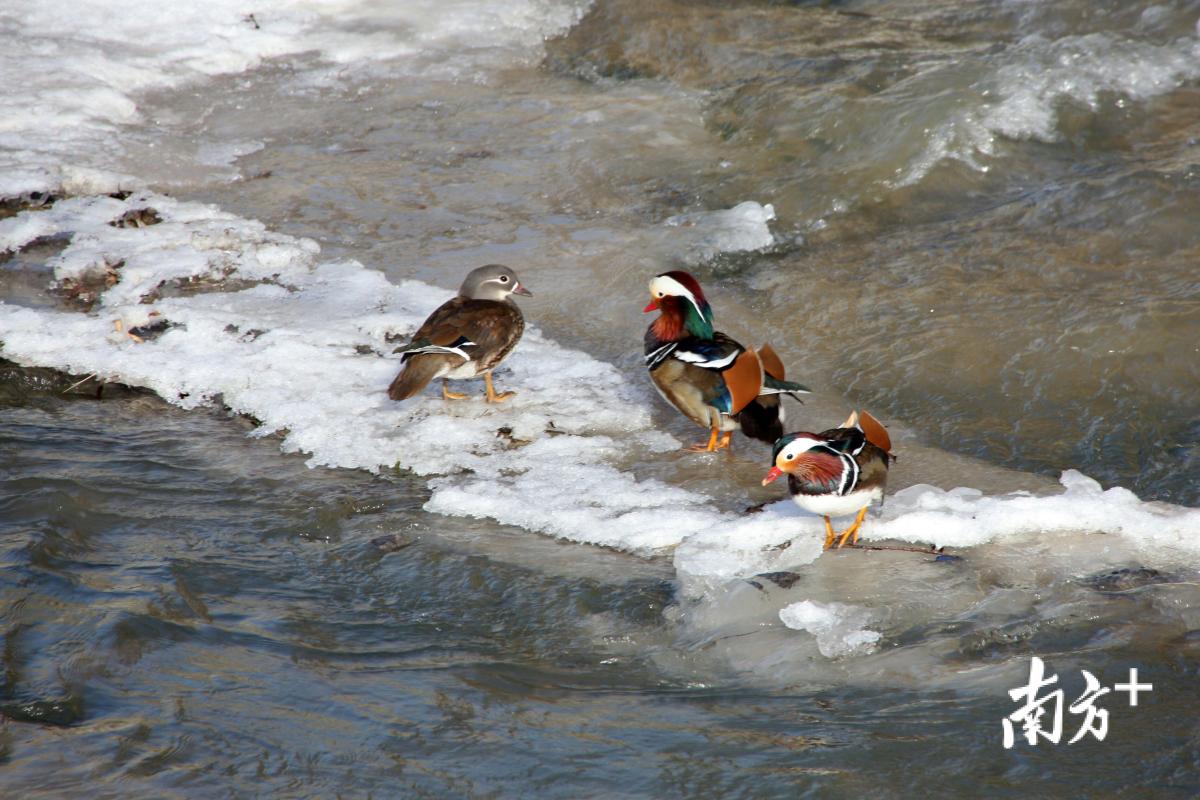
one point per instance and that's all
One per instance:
(666, 286)
(798, 447)
(795, 448)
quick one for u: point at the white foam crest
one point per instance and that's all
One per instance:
(1079, 68)
(1023, 97)
(839, 627)
(739, 229)
(82, 66)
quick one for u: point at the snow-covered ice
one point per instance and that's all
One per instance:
(260, 321)
(302, 349)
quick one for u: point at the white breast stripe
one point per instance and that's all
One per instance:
(793, 392)
(654, 355)
(849, 475)
(701, 361)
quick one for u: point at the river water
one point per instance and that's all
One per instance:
(976, 219)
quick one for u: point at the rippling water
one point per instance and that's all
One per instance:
(985, 232)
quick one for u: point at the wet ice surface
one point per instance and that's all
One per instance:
(187, 587)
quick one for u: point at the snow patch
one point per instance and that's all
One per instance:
(305, 351)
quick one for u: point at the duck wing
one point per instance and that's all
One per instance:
(484, 331)
(739, 370)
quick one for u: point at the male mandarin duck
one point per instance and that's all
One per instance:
(716, 382)
(836, 472)
(467, 335)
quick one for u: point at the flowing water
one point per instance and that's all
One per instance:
(976, 219)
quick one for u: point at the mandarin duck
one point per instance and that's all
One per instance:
(716, 382)
(467, 335)
(837, 472)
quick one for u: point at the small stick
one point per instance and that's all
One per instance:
(76, 383)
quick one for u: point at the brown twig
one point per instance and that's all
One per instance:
(930, 551)
(78, 382)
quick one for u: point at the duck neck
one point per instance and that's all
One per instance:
(680, 319)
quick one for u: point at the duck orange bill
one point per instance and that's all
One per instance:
(772, 475)
(653, 304)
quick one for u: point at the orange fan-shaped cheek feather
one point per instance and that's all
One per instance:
(822, 468)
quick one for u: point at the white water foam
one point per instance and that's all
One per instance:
(73, 72)
(1023, 97)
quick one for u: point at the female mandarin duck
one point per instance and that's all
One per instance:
(836, 472)
(467, 335)
(713, 380)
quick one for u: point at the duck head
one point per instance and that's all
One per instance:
(807, 456)
(492, 282)
(679, 298)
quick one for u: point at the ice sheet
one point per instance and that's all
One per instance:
(73, 73)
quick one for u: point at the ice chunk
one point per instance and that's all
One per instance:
(743, 227)
(837, 626)
(966, 518)
(1163, 535)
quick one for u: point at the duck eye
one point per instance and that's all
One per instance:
(504, 279)
(660, 294)
(789, 458)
